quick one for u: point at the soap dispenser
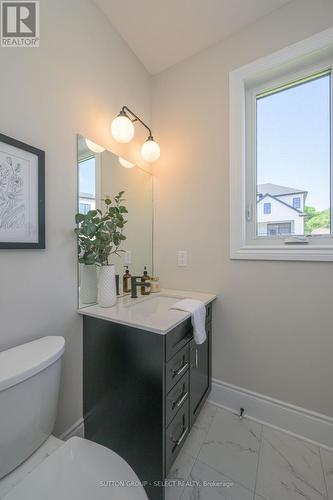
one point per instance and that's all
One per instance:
(127, 280)
(145, 290)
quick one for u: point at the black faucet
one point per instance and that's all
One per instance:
(135, 284)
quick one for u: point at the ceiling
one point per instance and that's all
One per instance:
(164, 32)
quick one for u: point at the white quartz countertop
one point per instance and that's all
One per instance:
(160, 319)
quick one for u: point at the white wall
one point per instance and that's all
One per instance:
(75, 82)
(273, 320)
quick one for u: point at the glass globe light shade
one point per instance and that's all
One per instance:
(122, 129)
(150, 150)
(95, 148)
(125, 163)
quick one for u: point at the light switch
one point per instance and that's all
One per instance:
(182, 258)
(128, 257)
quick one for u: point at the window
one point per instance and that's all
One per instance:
(280, 154)
(87, 184)
(279, 229)
(84, 208)
(267, 208)
(292, 152)
(297, 203)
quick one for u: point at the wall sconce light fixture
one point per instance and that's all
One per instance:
(122, 130)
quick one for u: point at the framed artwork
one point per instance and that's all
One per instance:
(22, 195)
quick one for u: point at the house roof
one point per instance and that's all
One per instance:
(279, 201)
(276, 190)
(87, 195)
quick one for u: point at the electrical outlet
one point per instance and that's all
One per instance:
(128, 257)
(182, 258)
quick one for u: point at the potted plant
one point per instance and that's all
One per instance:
(100, 234)
(87, 260)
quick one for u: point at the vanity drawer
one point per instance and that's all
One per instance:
(176, 367)
(176, 434)
(178, 395)
(178, 337)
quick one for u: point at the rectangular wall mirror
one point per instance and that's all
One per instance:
(104, 174)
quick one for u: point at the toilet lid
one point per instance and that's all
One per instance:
(80, 470)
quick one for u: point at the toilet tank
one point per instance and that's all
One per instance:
(29, 389)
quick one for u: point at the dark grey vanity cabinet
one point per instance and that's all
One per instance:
(142, 392)
(200, 376)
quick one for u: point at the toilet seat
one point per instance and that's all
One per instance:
(80, 470)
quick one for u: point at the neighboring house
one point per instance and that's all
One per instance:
(87, 202)
(280, 210)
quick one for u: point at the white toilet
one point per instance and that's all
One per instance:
(78, 469)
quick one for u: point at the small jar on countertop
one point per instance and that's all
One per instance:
(155, 284)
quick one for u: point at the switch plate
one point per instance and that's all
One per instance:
(182, 258)
(128, 257)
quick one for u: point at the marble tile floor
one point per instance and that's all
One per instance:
(225, 458)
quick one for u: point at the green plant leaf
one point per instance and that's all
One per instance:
(92, 213)
(79, 218)
(100, 232)
(90, 259)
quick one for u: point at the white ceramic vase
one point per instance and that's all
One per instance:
(88, 284)
(106, 293)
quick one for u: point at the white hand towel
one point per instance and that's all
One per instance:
(198, 317)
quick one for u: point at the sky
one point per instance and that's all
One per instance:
(87, 176)
(293, 140)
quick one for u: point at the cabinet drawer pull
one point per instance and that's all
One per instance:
(180, 370)
(180, 439)
(196, 358)
(179, 401)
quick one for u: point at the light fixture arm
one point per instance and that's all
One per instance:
(125, 110)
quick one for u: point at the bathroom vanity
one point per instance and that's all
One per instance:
(145, 380)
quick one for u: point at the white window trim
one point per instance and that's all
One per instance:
(98, 180)
(267, 68)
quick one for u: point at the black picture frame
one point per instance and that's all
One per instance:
(40, 244)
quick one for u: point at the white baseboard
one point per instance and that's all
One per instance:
(306, 424)
(77, 429)
(311, 426)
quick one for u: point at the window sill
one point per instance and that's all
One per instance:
(290, 252)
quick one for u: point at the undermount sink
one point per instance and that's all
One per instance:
(154, 305)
